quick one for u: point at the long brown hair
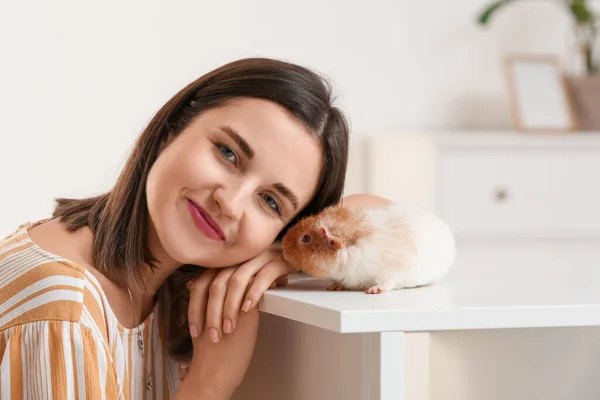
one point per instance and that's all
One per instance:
(119, 218)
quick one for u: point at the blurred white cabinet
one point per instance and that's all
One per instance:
(494, 186)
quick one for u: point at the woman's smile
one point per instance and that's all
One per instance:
(205, 223)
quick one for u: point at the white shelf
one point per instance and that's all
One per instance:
(484, 298)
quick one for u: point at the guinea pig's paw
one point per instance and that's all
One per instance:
(374, 290)
(335, 287)
(386, 286)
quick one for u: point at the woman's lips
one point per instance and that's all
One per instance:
(204, 222)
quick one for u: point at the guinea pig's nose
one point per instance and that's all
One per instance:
(306, 238)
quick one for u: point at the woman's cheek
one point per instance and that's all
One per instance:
(257, 237)
(202, 168)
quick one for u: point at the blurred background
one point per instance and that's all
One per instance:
(79, 81)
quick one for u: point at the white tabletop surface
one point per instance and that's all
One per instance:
(474, 298)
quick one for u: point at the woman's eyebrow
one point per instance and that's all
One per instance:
(246, 149)
(287, 192)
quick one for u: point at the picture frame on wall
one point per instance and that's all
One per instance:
(538, 94)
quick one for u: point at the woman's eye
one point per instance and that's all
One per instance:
(227, 153)
(271, 202)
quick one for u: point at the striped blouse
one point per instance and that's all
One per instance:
(59, 338)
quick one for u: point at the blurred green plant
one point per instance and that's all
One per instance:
(584, 17)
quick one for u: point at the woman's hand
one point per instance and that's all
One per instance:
(216, 370)
(234, 289)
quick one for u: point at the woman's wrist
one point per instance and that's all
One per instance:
(200, 389)
(209, 392)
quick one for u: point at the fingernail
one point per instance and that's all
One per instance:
(247, 305)
(194, 331)
(214, 335)
(227, 326)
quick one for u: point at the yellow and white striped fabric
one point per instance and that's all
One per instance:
(59, 338)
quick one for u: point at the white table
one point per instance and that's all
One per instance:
(378, 346)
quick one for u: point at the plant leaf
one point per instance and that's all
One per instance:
(487, 13)
(581, 11)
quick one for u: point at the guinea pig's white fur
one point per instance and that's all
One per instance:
(406, 247)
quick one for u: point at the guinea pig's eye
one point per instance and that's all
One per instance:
(306, 238)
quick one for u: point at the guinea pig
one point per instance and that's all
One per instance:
(372, 249)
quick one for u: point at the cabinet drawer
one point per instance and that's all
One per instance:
(539, 193)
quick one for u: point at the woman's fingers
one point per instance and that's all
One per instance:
(238, 286)
(216, 299)
(216, 295)
(198, 299)
(266, 276)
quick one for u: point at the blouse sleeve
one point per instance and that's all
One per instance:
(55, 360)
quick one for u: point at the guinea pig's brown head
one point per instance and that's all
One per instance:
(314, 243)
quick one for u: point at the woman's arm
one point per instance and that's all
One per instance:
(217, 369)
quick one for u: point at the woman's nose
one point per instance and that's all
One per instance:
(231, 201)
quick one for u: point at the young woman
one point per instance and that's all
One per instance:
(97, 301)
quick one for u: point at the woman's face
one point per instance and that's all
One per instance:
(221, 190)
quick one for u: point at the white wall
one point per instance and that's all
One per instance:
(78, 80)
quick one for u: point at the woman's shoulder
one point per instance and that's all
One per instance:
(36, 285)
